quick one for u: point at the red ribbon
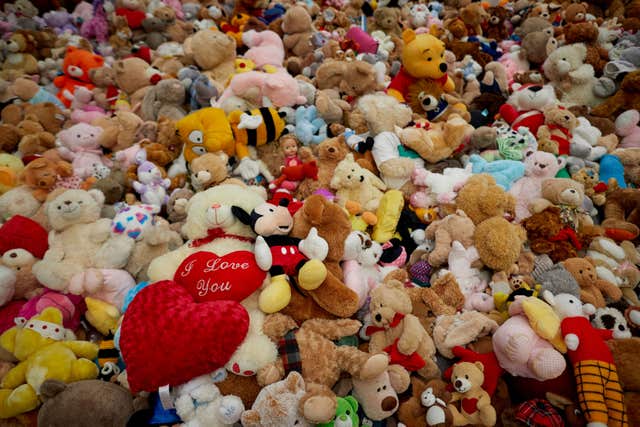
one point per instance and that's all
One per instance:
(567, 233)
(217, 233)
(396, 320)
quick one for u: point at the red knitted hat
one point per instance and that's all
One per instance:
(23, 233)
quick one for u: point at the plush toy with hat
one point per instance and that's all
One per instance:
(599, 392)
(45, 350)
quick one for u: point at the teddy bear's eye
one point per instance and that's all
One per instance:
(580, 271)
(429, 59)
(384, 387)
(570, 301)
(378, 390)
(78, 136)
(348, 176)
(466, 376)
(59, 207)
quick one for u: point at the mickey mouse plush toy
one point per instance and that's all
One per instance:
(282, 255)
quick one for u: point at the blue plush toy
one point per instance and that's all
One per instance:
(310, 129)
(611, 167)
(505, 172)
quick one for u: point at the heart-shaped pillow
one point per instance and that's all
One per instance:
(168, 338)
(209, 277)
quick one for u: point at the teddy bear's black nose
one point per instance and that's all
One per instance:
(378, 317)
(566, 117)
(67, 202)
(443, 67)
(535, 88)
(458, 384)
(331, 150)
(389, 403)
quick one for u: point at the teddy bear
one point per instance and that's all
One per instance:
(617, 264)
(211, 210)
(298, 28)
(41, 175)
(571, 77)
(134, 76)
(602, 403)
(621, 214)
(569, 196)
(399, 333)
(164, 99)
(538, 167)
(209, 170)
(330, 153)
(537, 45)
(497, 240)
(443, 297)
(118, 131)
(592, 288)
(525, 105)
(34, 139)
(555, 135)
(427, 405)
(200, 402)
(24, 242)
(386, 19)
(278, 404)
(624, 99)
(475, 407)
(496, 23)
(416, 67)
(20, 59)
(439, 141)
(42, 345)
(80, 144)
(354, 183)
(49, 115)
(76, 66)
(473, 16)
(18, 201)
(83, 257)
(455, 227)
(319, 403)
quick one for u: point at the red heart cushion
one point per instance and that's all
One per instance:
(209, 277)
(168, 338)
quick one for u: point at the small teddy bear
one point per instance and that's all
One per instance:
(467, 379)
(556, 134)
(80, 144)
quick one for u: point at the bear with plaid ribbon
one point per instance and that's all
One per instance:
(599, 391)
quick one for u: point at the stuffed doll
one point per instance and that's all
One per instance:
(76, 66)
(80, 144)
(283, 256)
(599, 391)
(150, 185)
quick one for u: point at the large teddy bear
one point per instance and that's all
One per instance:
(524, 106)
(83, 256)
(399, 333)
(211, 227)
(538, 167)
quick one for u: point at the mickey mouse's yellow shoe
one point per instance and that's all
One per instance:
(276, 296)
(312, 274)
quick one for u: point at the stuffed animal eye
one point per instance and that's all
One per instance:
(429, 59)
(196, 137)
(466, 376)
(199, 150)
(580, 271)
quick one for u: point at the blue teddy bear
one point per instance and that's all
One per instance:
(505, 172)
(310, 129)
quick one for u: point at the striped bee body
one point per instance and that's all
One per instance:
(255, 128)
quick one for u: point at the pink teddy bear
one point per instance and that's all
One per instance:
(279, 88)
(265, 48)
(627, 127)
(79, 144)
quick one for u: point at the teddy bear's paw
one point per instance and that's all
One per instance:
(374, 366)
(312, 274)
(547, 364)
(319, 409)
(268, 375)
(604, 87)
(88, 281)
(231, 409)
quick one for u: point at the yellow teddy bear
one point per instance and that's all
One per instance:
(422, 58)
(44, 352)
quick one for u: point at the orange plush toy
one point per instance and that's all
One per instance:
(76, 66)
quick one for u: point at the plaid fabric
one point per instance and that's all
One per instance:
(599, 393)
(539, 413)
(420, 273)
(290, 352)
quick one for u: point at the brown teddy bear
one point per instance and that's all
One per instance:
(568, 195)
(396, 331)
(211, 169)
(439, 141)
(496, 28)
(9, 138)
(467, 379)
(590, 178)
(442, 297)
(386, 19)
(587, 33)
(330, 152)
(497, 240)
(624, 351)
(428, 98)
(20, 60)
(626, 98)
(319, 360)
(34, 139)
(119, 131)
(332, 298)
(42, 174)
(630, 158)
(332, 19)
(474, 15)
(445, 231)
(543, 226)
(121, 36)
(592, 289)
(132, 78)
(622, 213)
(49, 115)
(556, 133)
(298, 28)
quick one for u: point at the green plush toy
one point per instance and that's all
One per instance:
(346, 414)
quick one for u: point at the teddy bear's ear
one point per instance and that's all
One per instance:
(97, 195)
(294, 382)
(480, 366)
(408, 36)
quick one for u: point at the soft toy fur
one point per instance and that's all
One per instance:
(199, 402)
(330, 153)
(626, 98)
(214, 53)
(209, 170)
(322, 360)
(467, 379)
(76, 66)
(380, 405)
(164, 100)
(354, 183)
(427, 404)
(556, 133)
(83, 258)
(538, 167)
(298, 28)
(41, 358)
(566, 193)
(406, 339)
(455, 227)
(622, 214)
(442, 297)
(572, 78)
(278, 404)
(40, 176)
(592, 288)
(80, 144)
(541, 227)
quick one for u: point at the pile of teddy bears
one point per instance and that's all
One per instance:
(326, 212)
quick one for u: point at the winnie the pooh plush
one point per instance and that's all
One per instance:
(44, 350)
(399, 333)
(422, 58)
(83, 257)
